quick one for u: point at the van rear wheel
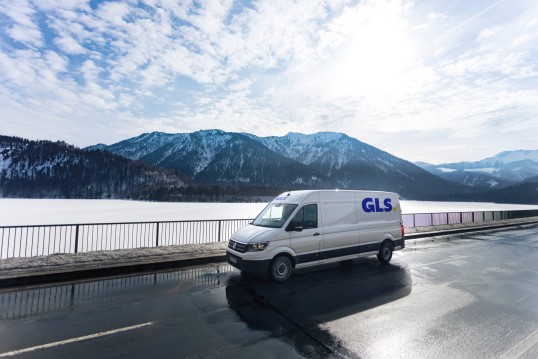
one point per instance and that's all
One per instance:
(281, 268)
(385, 252)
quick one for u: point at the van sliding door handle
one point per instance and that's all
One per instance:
(316, 234)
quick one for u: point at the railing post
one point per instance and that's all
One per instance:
(219, 230)
(461, 217)
(76, 239)
(157, 236)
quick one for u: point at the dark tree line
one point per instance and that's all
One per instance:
(46, 169)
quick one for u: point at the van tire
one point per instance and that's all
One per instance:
(385, 252)
(281, 268)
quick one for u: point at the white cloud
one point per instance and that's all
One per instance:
(24, 28)
(55, 62)
(113, 13)
(367, 68)
(431, 19)
(69, 45)
(90, 71)
(489, 32)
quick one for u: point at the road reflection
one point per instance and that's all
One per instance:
(22, 303)
(295, 311)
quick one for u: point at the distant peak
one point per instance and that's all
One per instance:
(323, 133)
(212, 131)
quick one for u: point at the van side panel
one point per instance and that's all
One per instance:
(379, 217)
(340, 224)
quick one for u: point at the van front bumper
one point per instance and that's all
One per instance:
(260, 267)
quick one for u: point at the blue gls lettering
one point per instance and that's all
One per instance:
(388, 205)
(367, 205)
(370, 205)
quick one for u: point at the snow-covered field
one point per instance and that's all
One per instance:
(32, 241)
(65, 211)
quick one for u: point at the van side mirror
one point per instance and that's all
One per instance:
(296, 226)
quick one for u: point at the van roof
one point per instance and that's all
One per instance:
(300, 196)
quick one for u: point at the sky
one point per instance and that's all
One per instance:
(432, 80)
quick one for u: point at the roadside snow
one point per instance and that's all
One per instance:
(98, 259)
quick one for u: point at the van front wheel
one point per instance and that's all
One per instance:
(281, 268)
(385, 252)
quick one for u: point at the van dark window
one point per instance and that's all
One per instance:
(308, 215)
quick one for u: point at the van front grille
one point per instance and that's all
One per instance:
(237, 246)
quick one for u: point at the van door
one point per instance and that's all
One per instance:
(307, 242)
(341, 230)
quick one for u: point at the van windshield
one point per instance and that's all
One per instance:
(274, 215)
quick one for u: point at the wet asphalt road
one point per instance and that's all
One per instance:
(475, 297)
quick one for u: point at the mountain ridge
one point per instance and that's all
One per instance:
(505, 169)
(226, 166)
(320, 160)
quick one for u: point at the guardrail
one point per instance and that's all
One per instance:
(445, 218)
(29, 241)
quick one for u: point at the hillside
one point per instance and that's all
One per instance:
(44, 169)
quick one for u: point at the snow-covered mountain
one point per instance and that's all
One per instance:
(330, 151)
(48, 169)
(218, 157)
(321, 160)
(502, 170)
(225, 166)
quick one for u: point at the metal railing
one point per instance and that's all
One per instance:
(29, 241)
(412, 220)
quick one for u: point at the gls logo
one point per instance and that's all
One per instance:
(372, 205)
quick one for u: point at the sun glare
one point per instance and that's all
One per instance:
(375, 61)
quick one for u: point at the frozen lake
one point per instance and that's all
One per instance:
(67, 211)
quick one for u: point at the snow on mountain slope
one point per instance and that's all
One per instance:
(170, 150)
(504, 169)
(329, 150)
(303, 148)
(511, 156)
(320, 160)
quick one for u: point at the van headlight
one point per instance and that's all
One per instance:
(256, 247)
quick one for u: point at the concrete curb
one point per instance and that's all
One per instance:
(109, 270)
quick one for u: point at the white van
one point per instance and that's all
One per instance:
(305, 228)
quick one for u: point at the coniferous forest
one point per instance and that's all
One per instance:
(46, 169)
